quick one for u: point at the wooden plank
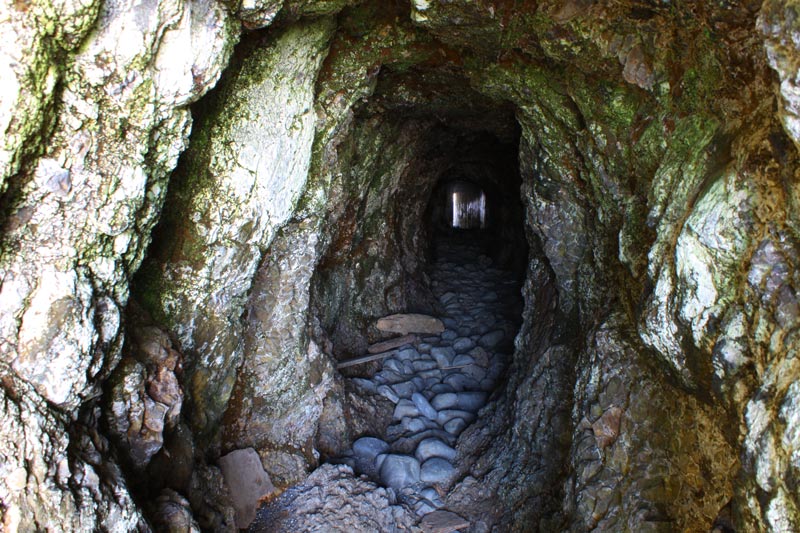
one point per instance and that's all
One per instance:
(391, 344)
(442, 521)
(364, 359)
(456, 366)
(410, 323)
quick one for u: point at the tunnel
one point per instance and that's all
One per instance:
(392, 265)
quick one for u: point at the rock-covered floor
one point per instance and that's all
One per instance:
(438, 386)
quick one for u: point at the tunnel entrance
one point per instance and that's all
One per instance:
(413, 392)
(465, 206)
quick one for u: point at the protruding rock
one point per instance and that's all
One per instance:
(606, 428)
(247, 482)
(388, 393)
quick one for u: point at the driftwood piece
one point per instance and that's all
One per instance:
(391, 344)
(442, 522)
(363, 359)
(410, 323)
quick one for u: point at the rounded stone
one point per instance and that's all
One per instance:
(445, 400)
(369, 447)
(405, 408)
(434, 447)
(437, 470)
(471, 401)
(424, 406)
(463, 344)
(399, 471)
(455, 426)
(388, 393)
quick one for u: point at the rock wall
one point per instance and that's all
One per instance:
(91, 130)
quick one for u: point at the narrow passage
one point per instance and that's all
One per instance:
(440, 384)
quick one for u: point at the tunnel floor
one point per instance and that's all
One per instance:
(440, 385)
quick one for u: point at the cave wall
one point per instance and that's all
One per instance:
(91, 131)
(660, 188)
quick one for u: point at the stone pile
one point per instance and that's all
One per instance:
(440, 382)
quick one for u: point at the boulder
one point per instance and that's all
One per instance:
(247, 483)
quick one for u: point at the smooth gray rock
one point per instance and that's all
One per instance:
(474, 372)
(434, 447)
(379, 461)
(425, 408)
(445, 400)
(487, 384)
(431, 375)
(437, 470)
(450, 323)
(431, 494)
(423, 507)
(398, 471)
(393, 364)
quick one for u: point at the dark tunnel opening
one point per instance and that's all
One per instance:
(410, 391)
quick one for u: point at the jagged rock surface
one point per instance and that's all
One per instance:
(332, 499)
